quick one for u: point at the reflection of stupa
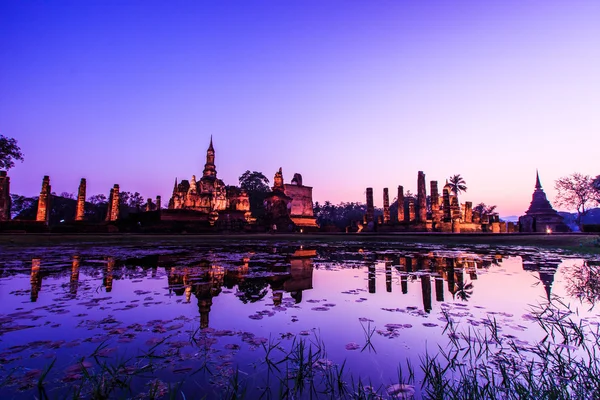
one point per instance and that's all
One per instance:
(547, 278)
(546, 272)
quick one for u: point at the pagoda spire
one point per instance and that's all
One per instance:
(175, 187)
(209, 168)
(538, 185)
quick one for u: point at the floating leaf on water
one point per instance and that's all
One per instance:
(352, 346)
(401, 391)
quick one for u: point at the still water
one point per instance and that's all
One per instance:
(143, 321)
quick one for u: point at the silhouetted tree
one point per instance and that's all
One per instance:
(67, 195)
(20, 203)
(596, 185)
(576, 191)
(9, 153)
(257, 187)
(254, 182)
(484, 209)
(340, 216)
(458, 184)
(98, 199)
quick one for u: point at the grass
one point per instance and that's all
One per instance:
(574, 242)
(476, 363)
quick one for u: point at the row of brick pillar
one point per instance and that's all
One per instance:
(416, 211)
(112, 214)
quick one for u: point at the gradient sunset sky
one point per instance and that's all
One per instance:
(351, 94)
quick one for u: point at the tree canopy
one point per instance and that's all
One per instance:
(458, 184)
(576, 192)
(254, 182)
(9, 153)
(484, 209)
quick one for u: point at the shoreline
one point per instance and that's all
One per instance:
(578, 242)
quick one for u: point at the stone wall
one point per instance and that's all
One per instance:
(301, 204)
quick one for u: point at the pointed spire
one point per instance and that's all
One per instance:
(538, 185)
(175, 187)
(210, 147)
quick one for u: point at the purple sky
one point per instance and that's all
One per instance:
(349, 94)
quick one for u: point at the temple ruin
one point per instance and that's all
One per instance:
(541, 217)
(207, 199)
(43, 210)
(289, 207)
(433, 213)
(80, 213)
(112, 212)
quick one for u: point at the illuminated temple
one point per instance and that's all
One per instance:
(208, 198)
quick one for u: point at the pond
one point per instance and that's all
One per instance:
(268, 318)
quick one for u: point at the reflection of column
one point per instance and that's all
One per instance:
(418, 263)
(388, 277)
(409, 264)
(426, 291)
(36, 279)
(74, 282)
(188, 294)
(404, 283)
(439, 289)
(204, 308)
(108, 276)
(450, 272)
(277, 297)
(371, 274)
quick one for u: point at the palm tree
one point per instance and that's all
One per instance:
(458, 184)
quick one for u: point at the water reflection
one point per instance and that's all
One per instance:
(206, 279)
(140, 297)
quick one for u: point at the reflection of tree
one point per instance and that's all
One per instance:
(583, 282)
(464, 290)
(252, 290)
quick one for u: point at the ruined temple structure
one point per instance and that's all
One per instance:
(5, 202)
(208, 199)
(541, 217)
(433, 213)
(112, 213)
(289, 207)
(80, 213)
(43, 210)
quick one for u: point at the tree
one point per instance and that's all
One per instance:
(254, 182)
(9, 153)
(97, 199)
(257, 187)
(20, 203)
(577, 192)
(596, 185)
(484, 209)
(67, 195)
(458, 184)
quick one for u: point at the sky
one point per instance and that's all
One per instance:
(351, 94)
